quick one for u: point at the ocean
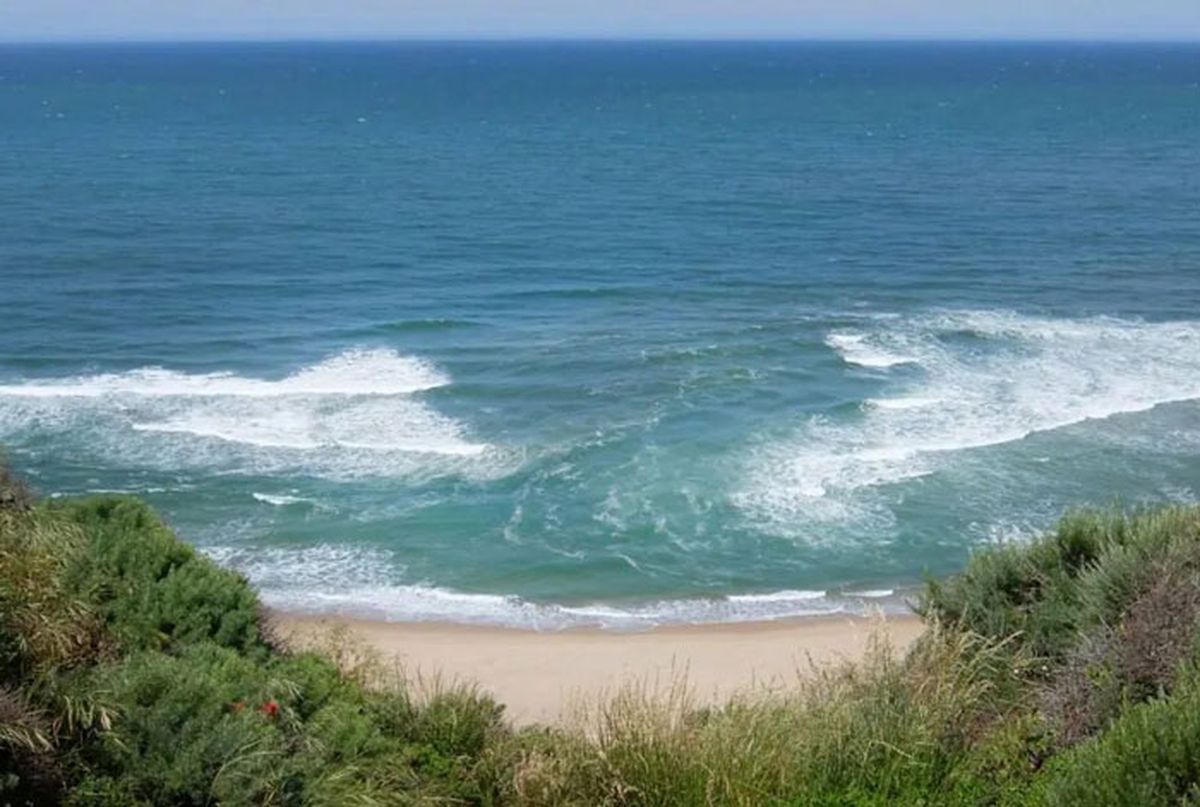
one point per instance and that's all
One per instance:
(607, 334)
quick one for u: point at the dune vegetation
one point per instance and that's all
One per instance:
(136, 672)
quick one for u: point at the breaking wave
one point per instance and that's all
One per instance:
(977, 379)
(360, 581)
(355, 413)
(860, 349)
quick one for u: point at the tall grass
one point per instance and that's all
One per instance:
(44, 624)
(889, 730)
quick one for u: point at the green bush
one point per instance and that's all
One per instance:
(14, 493)
(193, 728)
(1082, 575)
(458, 722)
(999, 768)
(1150, 755)
(155, 591)
(1130, 662)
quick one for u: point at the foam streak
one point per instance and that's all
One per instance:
(354, 413)
(983, 378)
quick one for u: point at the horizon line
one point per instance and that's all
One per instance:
(586, 39)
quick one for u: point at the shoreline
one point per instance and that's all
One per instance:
(540, 676)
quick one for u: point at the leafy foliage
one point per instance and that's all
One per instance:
(1149, 755)
(153, 590)
(1076, 579)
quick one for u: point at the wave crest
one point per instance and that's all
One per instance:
(353, 413)
(981, 378)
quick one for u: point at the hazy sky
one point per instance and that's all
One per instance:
(283, 19)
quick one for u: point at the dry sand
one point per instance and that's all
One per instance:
(539, 675)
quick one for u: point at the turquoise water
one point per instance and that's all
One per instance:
(601, 334)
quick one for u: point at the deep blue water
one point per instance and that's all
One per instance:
(561, 333)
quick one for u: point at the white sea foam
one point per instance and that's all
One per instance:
(279, 499)
(356, 413)
(361, 581)
(985, 378)
(865, 350)
(908, 402)
(370, 425)
(309, 568)
(778, 596)
(354, 372)
(413, 603)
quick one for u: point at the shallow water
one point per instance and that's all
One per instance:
(601, 334)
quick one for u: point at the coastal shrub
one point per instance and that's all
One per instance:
(430, 754)
(154, 590)
(959, 720)
(1131, 662)
(458, 722)
(202, 727)
(541, 766)
(1150, 755)
(1158, 631)
(1082, 575)
(1000, 767)
(92, 592)
(1139, 547)
(22, 726)
(15, 494)
(28, 769)
(45, 630)
(1022, 590)
(208, 725)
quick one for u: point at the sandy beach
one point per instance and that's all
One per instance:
(540, 675)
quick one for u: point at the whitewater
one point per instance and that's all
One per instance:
(948, 385)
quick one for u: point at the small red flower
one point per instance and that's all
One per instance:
(270, 709)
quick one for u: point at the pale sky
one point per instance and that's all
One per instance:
(22, 20)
